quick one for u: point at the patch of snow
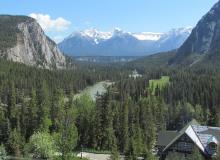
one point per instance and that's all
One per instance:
(94, 34)
(148, 36)
(98, 36)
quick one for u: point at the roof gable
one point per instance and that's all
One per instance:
(165, 137)
(191, 133)
(201, 136)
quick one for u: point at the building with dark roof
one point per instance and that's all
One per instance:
(205, 138)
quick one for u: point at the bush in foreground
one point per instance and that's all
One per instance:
(3, 153)
(41, 145)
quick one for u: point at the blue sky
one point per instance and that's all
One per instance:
(66, 16)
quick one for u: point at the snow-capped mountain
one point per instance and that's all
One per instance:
(172, 39)
(92, 34)
(92, 42)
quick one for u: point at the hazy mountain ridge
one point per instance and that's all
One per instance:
(120, 43)
(23, 40)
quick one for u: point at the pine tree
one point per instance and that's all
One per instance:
(199, 114)
(138, 141)
(124, 128)
(67, 135)
(24, 118)
(15, 143)
(98, 124)
(12, 109)
(84, 121)
(44, 108)
(108, 131)
(130, 152)
(56, 106)
(149, 126)
(104, 123)
(3, 125)
(114, 150)
(32, 123)
(216, 117)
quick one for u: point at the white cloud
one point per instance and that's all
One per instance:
(48, 24)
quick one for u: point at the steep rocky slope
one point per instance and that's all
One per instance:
(23, 40)
(204, 42)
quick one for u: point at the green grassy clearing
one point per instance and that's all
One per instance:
(161, 83)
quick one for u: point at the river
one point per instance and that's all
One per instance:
(99, 87)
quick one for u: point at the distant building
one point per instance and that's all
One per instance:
(135, 74)
(192, 135)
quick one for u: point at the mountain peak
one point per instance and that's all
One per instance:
(93, 34)
(117, 31)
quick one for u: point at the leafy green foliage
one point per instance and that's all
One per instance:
(42, 145)
(3, 153)
(150, 156)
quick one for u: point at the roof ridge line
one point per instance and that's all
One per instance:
(199, 138)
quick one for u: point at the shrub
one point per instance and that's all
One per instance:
(42, 145)
(3, 153)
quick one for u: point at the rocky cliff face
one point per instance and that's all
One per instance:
(204, 39)
(28, 44)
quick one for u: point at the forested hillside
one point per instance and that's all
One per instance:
(37, 103)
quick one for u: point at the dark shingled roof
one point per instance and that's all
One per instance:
(168, 137)
(202, 136)
(165, 137)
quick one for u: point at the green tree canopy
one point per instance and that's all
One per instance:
(42, 145)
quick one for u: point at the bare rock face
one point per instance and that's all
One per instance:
(28, 44)
(204, 40)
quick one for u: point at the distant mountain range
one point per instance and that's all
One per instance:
(23, 40)
(92, 42)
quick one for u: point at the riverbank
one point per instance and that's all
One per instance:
(92, 91)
